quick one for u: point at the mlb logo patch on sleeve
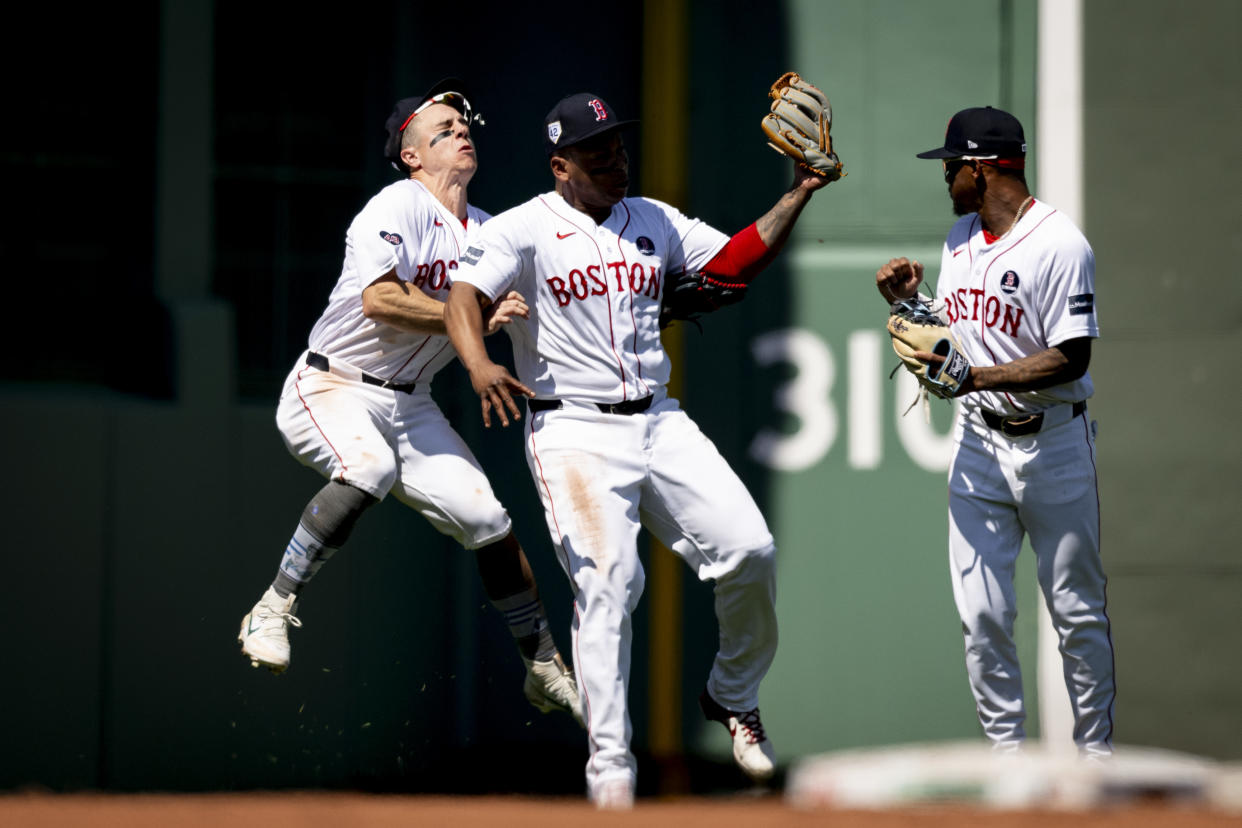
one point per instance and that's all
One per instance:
(1082, 303)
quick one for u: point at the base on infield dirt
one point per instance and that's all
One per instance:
(903, 776)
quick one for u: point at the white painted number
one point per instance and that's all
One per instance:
(806, 397)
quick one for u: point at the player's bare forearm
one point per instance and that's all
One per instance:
(396, 303)
(463, 322)
(496, 387)
(775, 224)
(1061, 363)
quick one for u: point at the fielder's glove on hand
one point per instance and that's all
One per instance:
(913, 326)
(799, 124)
(688, 296)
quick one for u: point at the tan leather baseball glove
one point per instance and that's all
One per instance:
(799, 124)
(913, 326)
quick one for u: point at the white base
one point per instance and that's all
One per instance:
(971, 772)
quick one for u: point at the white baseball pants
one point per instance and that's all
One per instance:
(381, 440)
(1044, 485)
(601, 476)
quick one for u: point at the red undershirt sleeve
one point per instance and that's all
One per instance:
(742, 257)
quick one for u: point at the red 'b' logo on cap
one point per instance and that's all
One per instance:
(600, 113)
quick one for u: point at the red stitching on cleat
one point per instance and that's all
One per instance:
(753, 726)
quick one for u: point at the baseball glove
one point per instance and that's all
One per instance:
(687, 296)
(913, 326)
(799, 125)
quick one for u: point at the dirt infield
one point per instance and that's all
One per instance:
(345, 810)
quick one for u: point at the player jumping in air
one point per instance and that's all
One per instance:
(357, 406)
(608, 449)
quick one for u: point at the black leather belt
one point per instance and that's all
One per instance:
(1019, 425)
(627, 407)
(320, 361)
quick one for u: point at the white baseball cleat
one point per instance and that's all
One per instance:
(264, 632)
(752, 751)
(550, 685)
(614, 795)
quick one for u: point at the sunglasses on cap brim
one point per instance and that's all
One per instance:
(447, 98)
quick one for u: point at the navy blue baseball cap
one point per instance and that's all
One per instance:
(451, 91)
(577, 118)
(981, 132)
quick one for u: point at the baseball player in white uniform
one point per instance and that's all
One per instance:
(1017, 286)
(357, 406)
(608, 449)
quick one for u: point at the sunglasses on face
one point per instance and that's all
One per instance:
(951, 167)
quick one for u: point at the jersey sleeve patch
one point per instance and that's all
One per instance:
(392, 238)
(472, 255)
(1081, 303)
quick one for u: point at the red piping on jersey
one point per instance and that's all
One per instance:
(633, 321)
(419, 375)
(306, 405)
(742, 257)
(984, 285)
(408, 360)
(603, 269)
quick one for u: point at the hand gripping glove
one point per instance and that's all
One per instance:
(688, 296)
(913, 326)
(799, 125)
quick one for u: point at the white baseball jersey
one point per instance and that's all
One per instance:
(404, 227)
(594, 291)
(378, 439)
(1016, 296)
(1022, 294)
(593, 337)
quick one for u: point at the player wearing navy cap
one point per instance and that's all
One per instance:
(357, 406)
(1017, 286)
(609, 451)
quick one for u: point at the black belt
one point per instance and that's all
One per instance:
(627, 407)
(1019, 425)
(320, 361)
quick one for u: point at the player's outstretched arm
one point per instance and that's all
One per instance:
(775, 224)
(496, 387)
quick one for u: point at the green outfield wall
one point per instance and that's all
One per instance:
(795, 384)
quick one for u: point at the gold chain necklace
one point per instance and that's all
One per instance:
(1026, 205)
